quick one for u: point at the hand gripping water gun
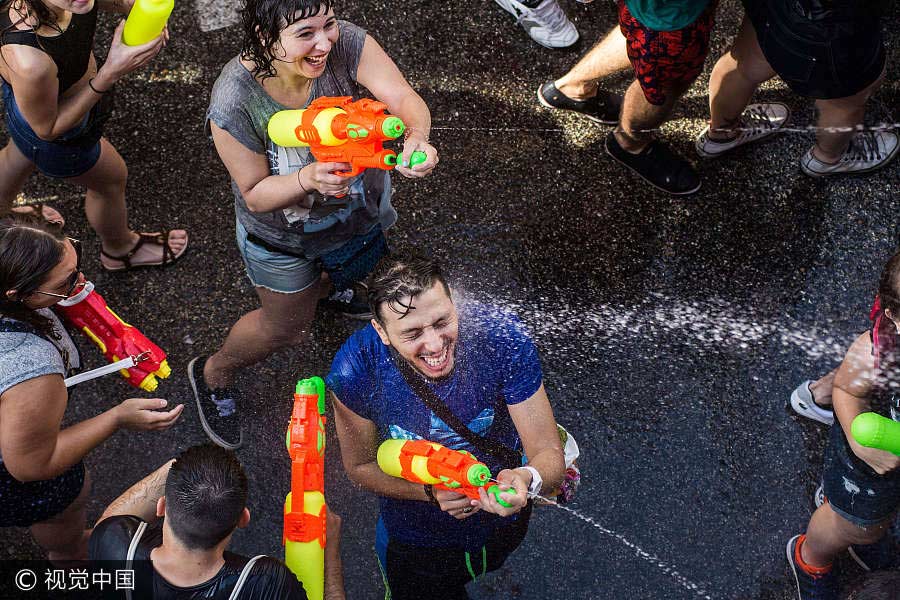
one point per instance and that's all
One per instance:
(421, 461)
(304, 520)
(116, 339)
(146, 21)
(874, 431)
(336, 129)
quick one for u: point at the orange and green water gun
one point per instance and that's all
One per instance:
(304, 507)
(338, 129)
(421, 461)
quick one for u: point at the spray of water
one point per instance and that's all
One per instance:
(663, 566)
(708, 326)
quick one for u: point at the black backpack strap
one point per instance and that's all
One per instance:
(509, 458)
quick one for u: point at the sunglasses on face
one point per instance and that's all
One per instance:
(72, 282)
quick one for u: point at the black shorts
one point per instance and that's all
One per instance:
(414, 572)
(24, 504)
(835, 56)
(855, 491)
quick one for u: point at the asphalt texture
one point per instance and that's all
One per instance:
(671, 330)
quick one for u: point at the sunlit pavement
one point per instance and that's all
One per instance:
(671, 330)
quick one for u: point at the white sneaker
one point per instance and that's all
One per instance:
(756, 122)
(803, 404)
(547, 24)
(868, 151)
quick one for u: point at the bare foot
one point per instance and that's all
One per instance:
(50, 214)
(145, 249)
(821, 393)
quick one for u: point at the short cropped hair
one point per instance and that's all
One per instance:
(399, 276)
(206, 492)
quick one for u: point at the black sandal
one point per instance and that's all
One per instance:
(160, 239)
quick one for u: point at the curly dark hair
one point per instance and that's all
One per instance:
(399, 276)
(30, 248)
(263, 22)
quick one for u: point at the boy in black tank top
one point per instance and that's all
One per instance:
(202, 495)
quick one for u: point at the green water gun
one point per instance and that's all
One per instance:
(875, 431)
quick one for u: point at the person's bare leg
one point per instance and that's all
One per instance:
(15, 169)
(821, 388)
(106, 211)
(640, 118)
(837, 122)
(733, 81)
(64, 536)
(607, 58)
(828, 534)
(283, 320)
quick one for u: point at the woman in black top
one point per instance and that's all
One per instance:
(53, 92)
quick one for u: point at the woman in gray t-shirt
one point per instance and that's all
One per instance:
(293, 213)
(43, 482)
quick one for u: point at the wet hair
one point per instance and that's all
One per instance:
(889, 286)
(206, 492)
(30, 247)
(32, 8)
(264, 20)
(397, 277)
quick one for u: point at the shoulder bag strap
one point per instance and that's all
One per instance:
(242, 579)
(508, 457)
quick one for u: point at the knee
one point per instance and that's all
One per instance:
(285, 335)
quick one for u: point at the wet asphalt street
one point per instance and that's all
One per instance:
(671, 330)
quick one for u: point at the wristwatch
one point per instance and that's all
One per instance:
(536, 481)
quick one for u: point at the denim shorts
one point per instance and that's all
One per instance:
(825, 57)
(856, 492)
(275, 271)
(72, 154)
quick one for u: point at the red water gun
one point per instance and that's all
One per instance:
(337, 129)
(116, 339)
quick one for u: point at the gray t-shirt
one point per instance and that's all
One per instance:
(24, 356)
(240, 106)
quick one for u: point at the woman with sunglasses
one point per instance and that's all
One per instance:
(56, 102)
(43, 481)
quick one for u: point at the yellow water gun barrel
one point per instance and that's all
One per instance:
(146, 21)
(285, 127)
(307, 559)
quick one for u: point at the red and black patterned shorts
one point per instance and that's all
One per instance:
(666, 61)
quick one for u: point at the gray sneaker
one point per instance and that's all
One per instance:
(804, 404)
(758, 121)
(868, 151)
(546, 23)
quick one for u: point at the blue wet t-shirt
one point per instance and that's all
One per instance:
(496, 363)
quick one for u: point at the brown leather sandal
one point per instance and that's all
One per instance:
(38, 209)
(160, 239)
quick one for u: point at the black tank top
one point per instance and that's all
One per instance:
(71, 50)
